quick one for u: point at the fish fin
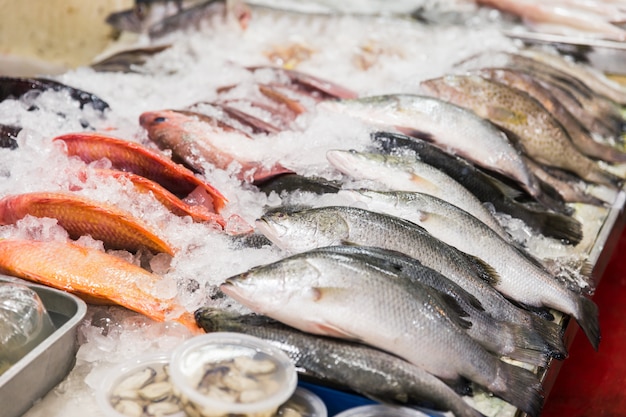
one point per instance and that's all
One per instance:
(483, 270)
(423, 182)
(587, 318)
(552, 333)
(527, 345)
(518, 387)
(328, 329)
(504, 114)
(457, 313)
(559, 226)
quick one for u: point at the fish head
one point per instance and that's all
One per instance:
(162, 124)
(356, 164)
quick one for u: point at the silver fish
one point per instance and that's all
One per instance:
(339, 296)
(369, 372)
(411, 174)
(451, 127)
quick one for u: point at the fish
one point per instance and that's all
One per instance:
(79, 216)
(580, 136)
(342, 297)
(558, 224)
(93, 275)
(289, 183)
(369, 372)
(8, 136)
(411, 174)
(521, 278)
(127, 60)
(449, 126)
(196, 142)
(517, 342)
(198, 212)
(301, 230)
(16, 87)
(540, 135)
(133, 157)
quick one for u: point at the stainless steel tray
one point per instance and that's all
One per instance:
(49, 362)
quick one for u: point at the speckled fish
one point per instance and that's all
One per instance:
(133, 157)
(539, 133)
(80, 216)
(577, 132)
(450, 126)
(197, 142)
(343, 297)
(411, 174)
(301, 230)
(521, 279)
(558, 225)
(93, 275)
(369, 372)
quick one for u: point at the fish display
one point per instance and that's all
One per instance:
(93, 275)
(368, 371)
(80, 216)
(323, 294)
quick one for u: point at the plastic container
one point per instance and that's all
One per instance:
(303, 403)
(140, 387)
(380, 410)
(222, 373)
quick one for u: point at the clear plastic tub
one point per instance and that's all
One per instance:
(222, 373)
(303, 403)
(380, 410)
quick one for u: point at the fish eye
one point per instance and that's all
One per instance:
(160, 119)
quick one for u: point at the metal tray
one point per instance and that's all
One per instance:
(48, 363)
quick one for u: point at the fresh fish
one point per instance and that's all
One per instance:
(16, 87)
(130, 156)
(369, 372)
(187, 207)
(449, 126)
(484, 187)
(579, 135)
(521, 279)
(411, 174)
(195, 142)
(541, 136)
(502, 338)
(8, 136)
(93, 275)
(80, 216)
(302, 230)
(289, 183)
(343, 297)
(127, 60)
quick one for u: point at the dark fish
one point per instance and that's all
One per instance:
(367, 371)
(16, 87)
(8, 136)
(484, 187)
(128, 60)
(290, 183)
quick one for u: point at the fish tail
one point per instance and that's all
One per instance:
(552, 334)
(561, 227)
(519, 387)
(601, 176)
(587, 317)
(549, 197)
(526, 345)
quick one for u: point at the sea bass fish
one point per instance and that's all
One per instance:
(79, 216)
(450, 126)
(521, 278)
(539, 133)
(195, 142)
(302, 230)
(370, 372)
(343, 297)
(411, 174)
(129, 156)
(93, 275)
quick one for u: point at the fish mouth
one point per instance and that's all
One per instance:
(271, 230)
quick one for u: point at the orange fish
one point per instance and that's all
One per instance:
(93, 275)
(80, 216)
(198, 212)
(129, 156)
(196, 141)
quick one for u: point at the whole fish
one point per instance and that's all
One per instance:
(541, 136)
(558, 225)
(302, 230)
(411, 174)
(502, 338)
(577, 132)
(343, 297)
(130, 156)
(80, 216)
(289, 183)
(196, 142)
(450, 126)
(93, 275)
(369, 372)
(521, 278)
